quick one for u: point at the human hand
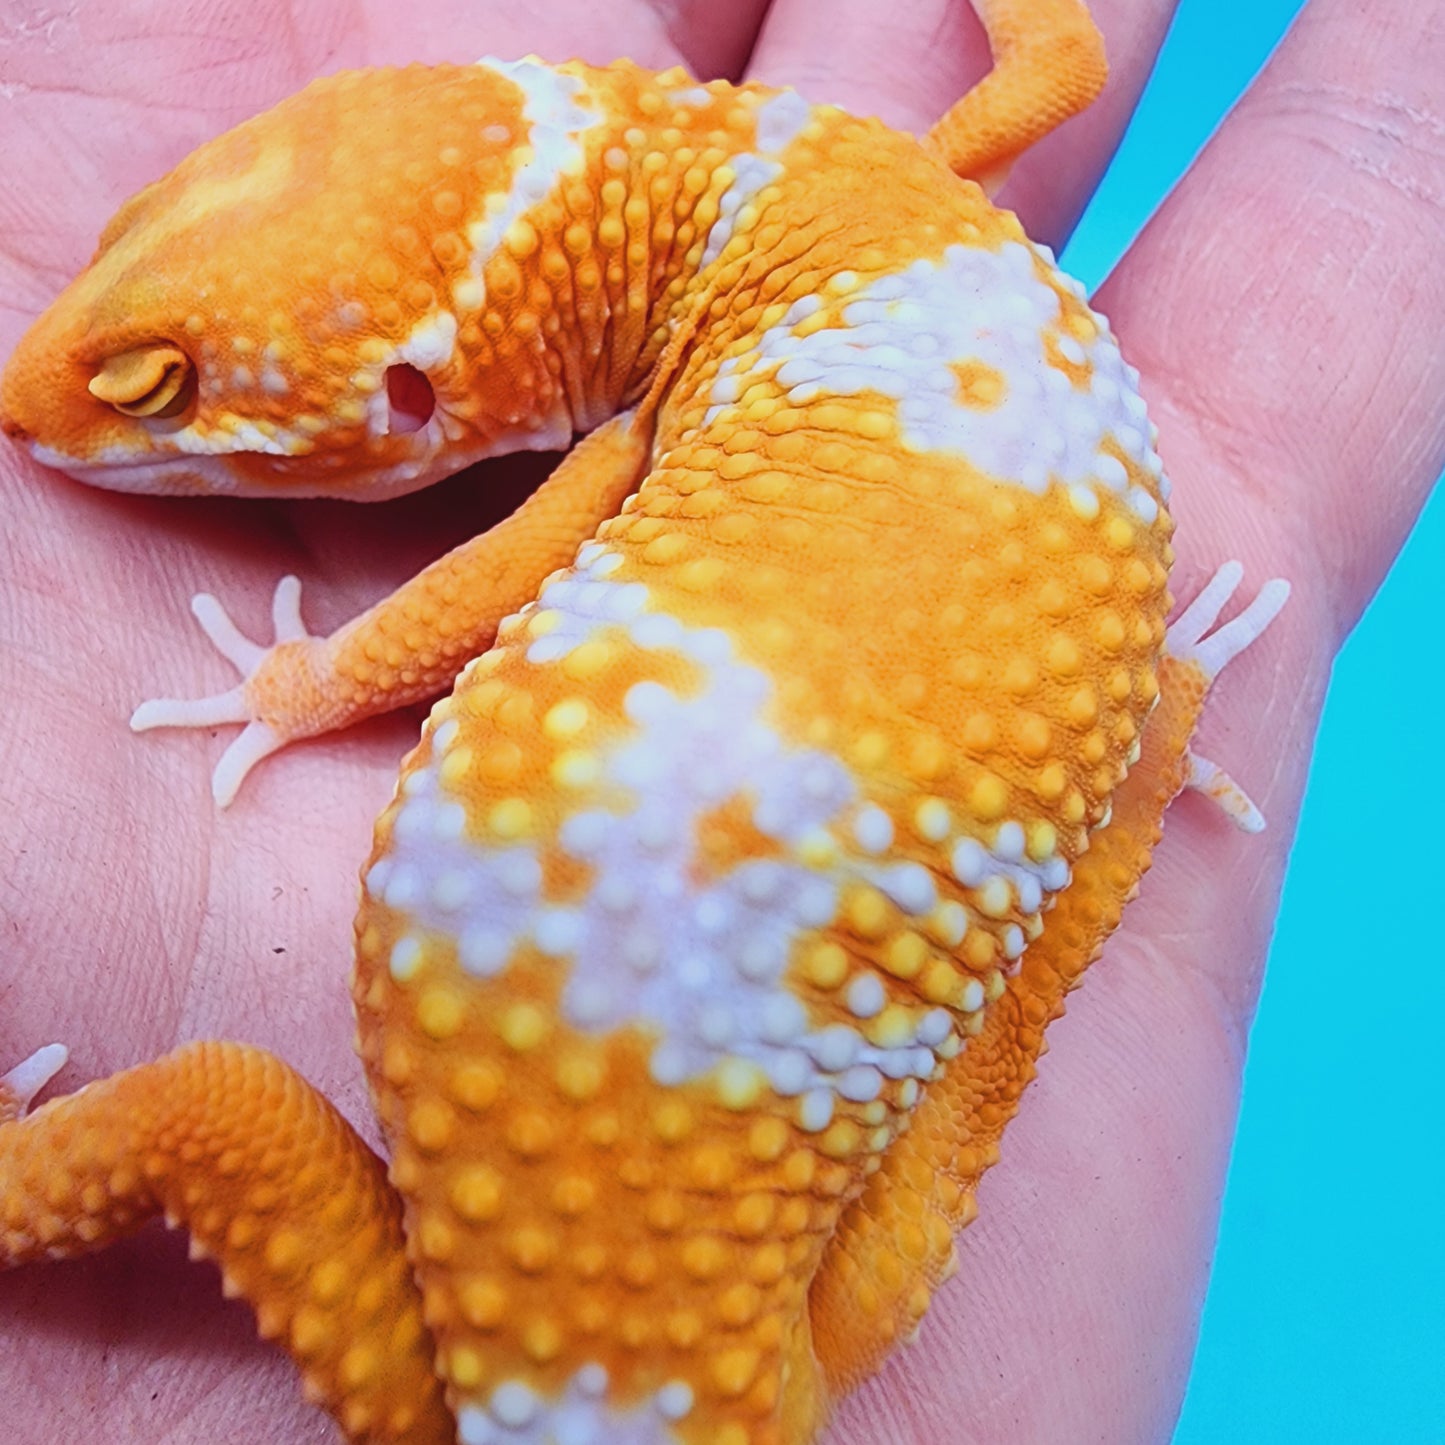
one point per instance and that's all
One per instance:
(1262, 341)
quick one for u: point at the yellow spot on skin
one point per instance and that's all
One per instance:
(531, 1134)
(580, 1076)
(476, 1086)
(995, 898)
(768, 1138)
(1119, 534)
(733, 1370)
(437, 1238)
(979, 387)
(430, 1125)
(397, 1062)
(931, 818)
(871, 750)
(672, 1120)
(1052, 781)
(575, 769)
(532, 1249)
(818, 849)
(439, 1012)
(510, 818)
(703, 1257)
(906, 955)
(979, 950)
(753, 1214)
(892, 1028)
(826, 965)
(1043, 841)
(566, 719)
(740, 1084)
(476, 1194)
(988, 798)
(739, 1304)
(799, 1169)
(574, 1194)
(523, 1027)
(1083, 706)
(483, 1303)
(590, 659)
(868, 912)
(542, 1340)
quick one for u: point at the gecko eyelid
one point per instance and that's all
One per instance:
(411, 398)
(148, 381)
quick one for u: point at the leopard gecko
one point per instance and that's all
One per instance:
(812, 724)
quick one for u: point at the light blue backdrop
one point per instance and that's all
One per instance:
(1326, 1315)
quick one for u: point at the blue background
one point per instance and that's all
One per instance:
(1326, 1314)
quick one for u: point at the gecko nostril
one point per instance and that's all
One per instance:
(411, 397)
(13, 429)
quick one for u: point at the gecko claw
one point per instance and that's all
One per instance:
(1209, 779)
(27, 1079)
(257, 740)
(1191, 640)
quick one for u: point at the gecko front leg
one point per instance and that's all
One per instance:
(411, 645)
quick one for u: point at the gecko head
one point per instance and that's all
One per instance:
(300, 309)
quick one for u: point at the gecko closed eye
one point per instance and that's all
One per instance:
(151, 381)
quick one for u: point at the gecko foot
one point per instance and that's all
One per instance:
(27, 1079)
(259, 738)
(1190, 639)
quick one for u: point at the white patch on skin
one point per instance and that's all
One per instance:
(779, 120)
(516, 1414)
(697, 958)
(432, 342)
(694, 95)
(903, 333)
(557, 119)
(1003, 874)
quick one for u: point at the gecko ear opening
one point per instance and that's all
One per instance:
(150, 381)
(410, 397)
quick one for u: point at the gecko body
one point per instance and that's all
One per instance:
(811, 725)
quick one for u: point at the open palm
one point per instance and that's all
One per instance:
(1284, 311)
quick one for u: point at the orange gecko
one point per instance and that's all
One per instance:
(812, 725)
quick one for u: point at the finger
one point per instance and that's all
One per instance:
(214, 70)
(908, 63)
(1286, 306)
(710, 39)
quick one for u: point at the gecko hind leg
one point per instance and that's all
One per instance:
(895, 1244)
(1191, 642)
(1048, 65)
(270, 1180)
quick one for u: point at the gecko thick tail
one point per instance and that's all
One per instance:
(1048, 65)
(232, 1144)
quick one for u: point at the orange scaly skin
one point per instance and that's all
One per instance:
(818, 723)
